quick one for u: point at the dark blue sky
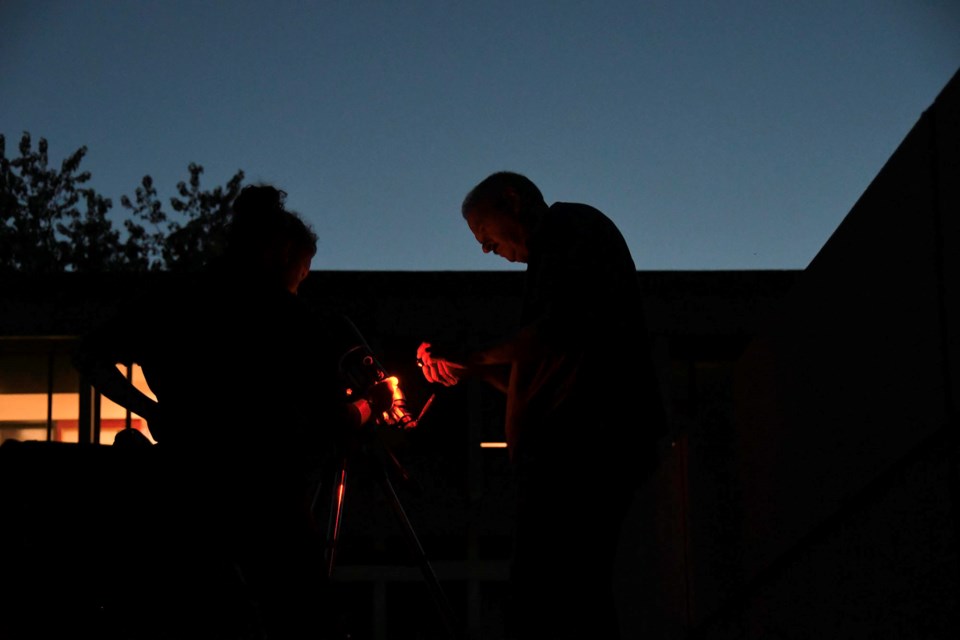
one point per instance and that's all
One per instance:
(718, 135)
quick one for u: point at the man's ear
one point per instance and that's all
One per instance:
(517, 208)
(513, 199)
(514, 203)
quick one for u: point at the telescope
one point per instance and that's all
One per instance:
(361, 371)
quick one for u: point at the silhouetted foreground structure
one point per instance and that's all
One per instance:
(843, 486)
(76, 508)
(808, 488)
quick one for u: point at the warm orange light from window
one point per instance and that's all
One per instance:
(32, 407)
(25, 412)
(69, 430)
(493, 445)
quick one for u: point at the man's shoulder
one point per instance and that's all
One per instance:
(580, 218)
(573, 207)
(577, 210)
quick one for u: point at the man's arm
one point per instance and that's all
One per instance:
(447, 365)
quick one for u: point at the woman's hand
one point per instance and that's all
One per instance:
(156, 423)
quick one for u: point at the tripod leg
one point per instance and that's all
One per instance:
(336, 515)
(433, 584)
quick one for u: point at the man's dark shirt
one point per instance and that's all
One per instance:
(584, 382)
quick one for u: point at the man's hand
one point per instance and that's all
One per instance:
(437, 368)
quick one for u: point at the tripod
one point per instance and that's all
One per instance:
(382, 461)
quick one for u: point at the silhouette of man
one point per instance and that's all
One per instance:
(250, 406)
(583, 410)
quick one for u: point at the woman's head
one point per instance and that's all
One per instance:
(266, 237)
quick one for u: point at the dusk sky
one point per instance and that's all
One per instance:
(718, 135)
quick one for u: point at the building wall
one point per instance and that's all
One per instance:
(846, 423)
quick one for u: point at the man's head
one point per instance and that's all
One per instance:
(502, 212)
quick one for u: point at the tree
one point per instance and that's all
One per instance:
(144, 248)
(50, 221)
(173, 245)
(42, 229)
(203, 235)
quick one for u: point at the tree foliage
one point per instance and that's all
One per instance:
(206, 213)
(51, 221)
